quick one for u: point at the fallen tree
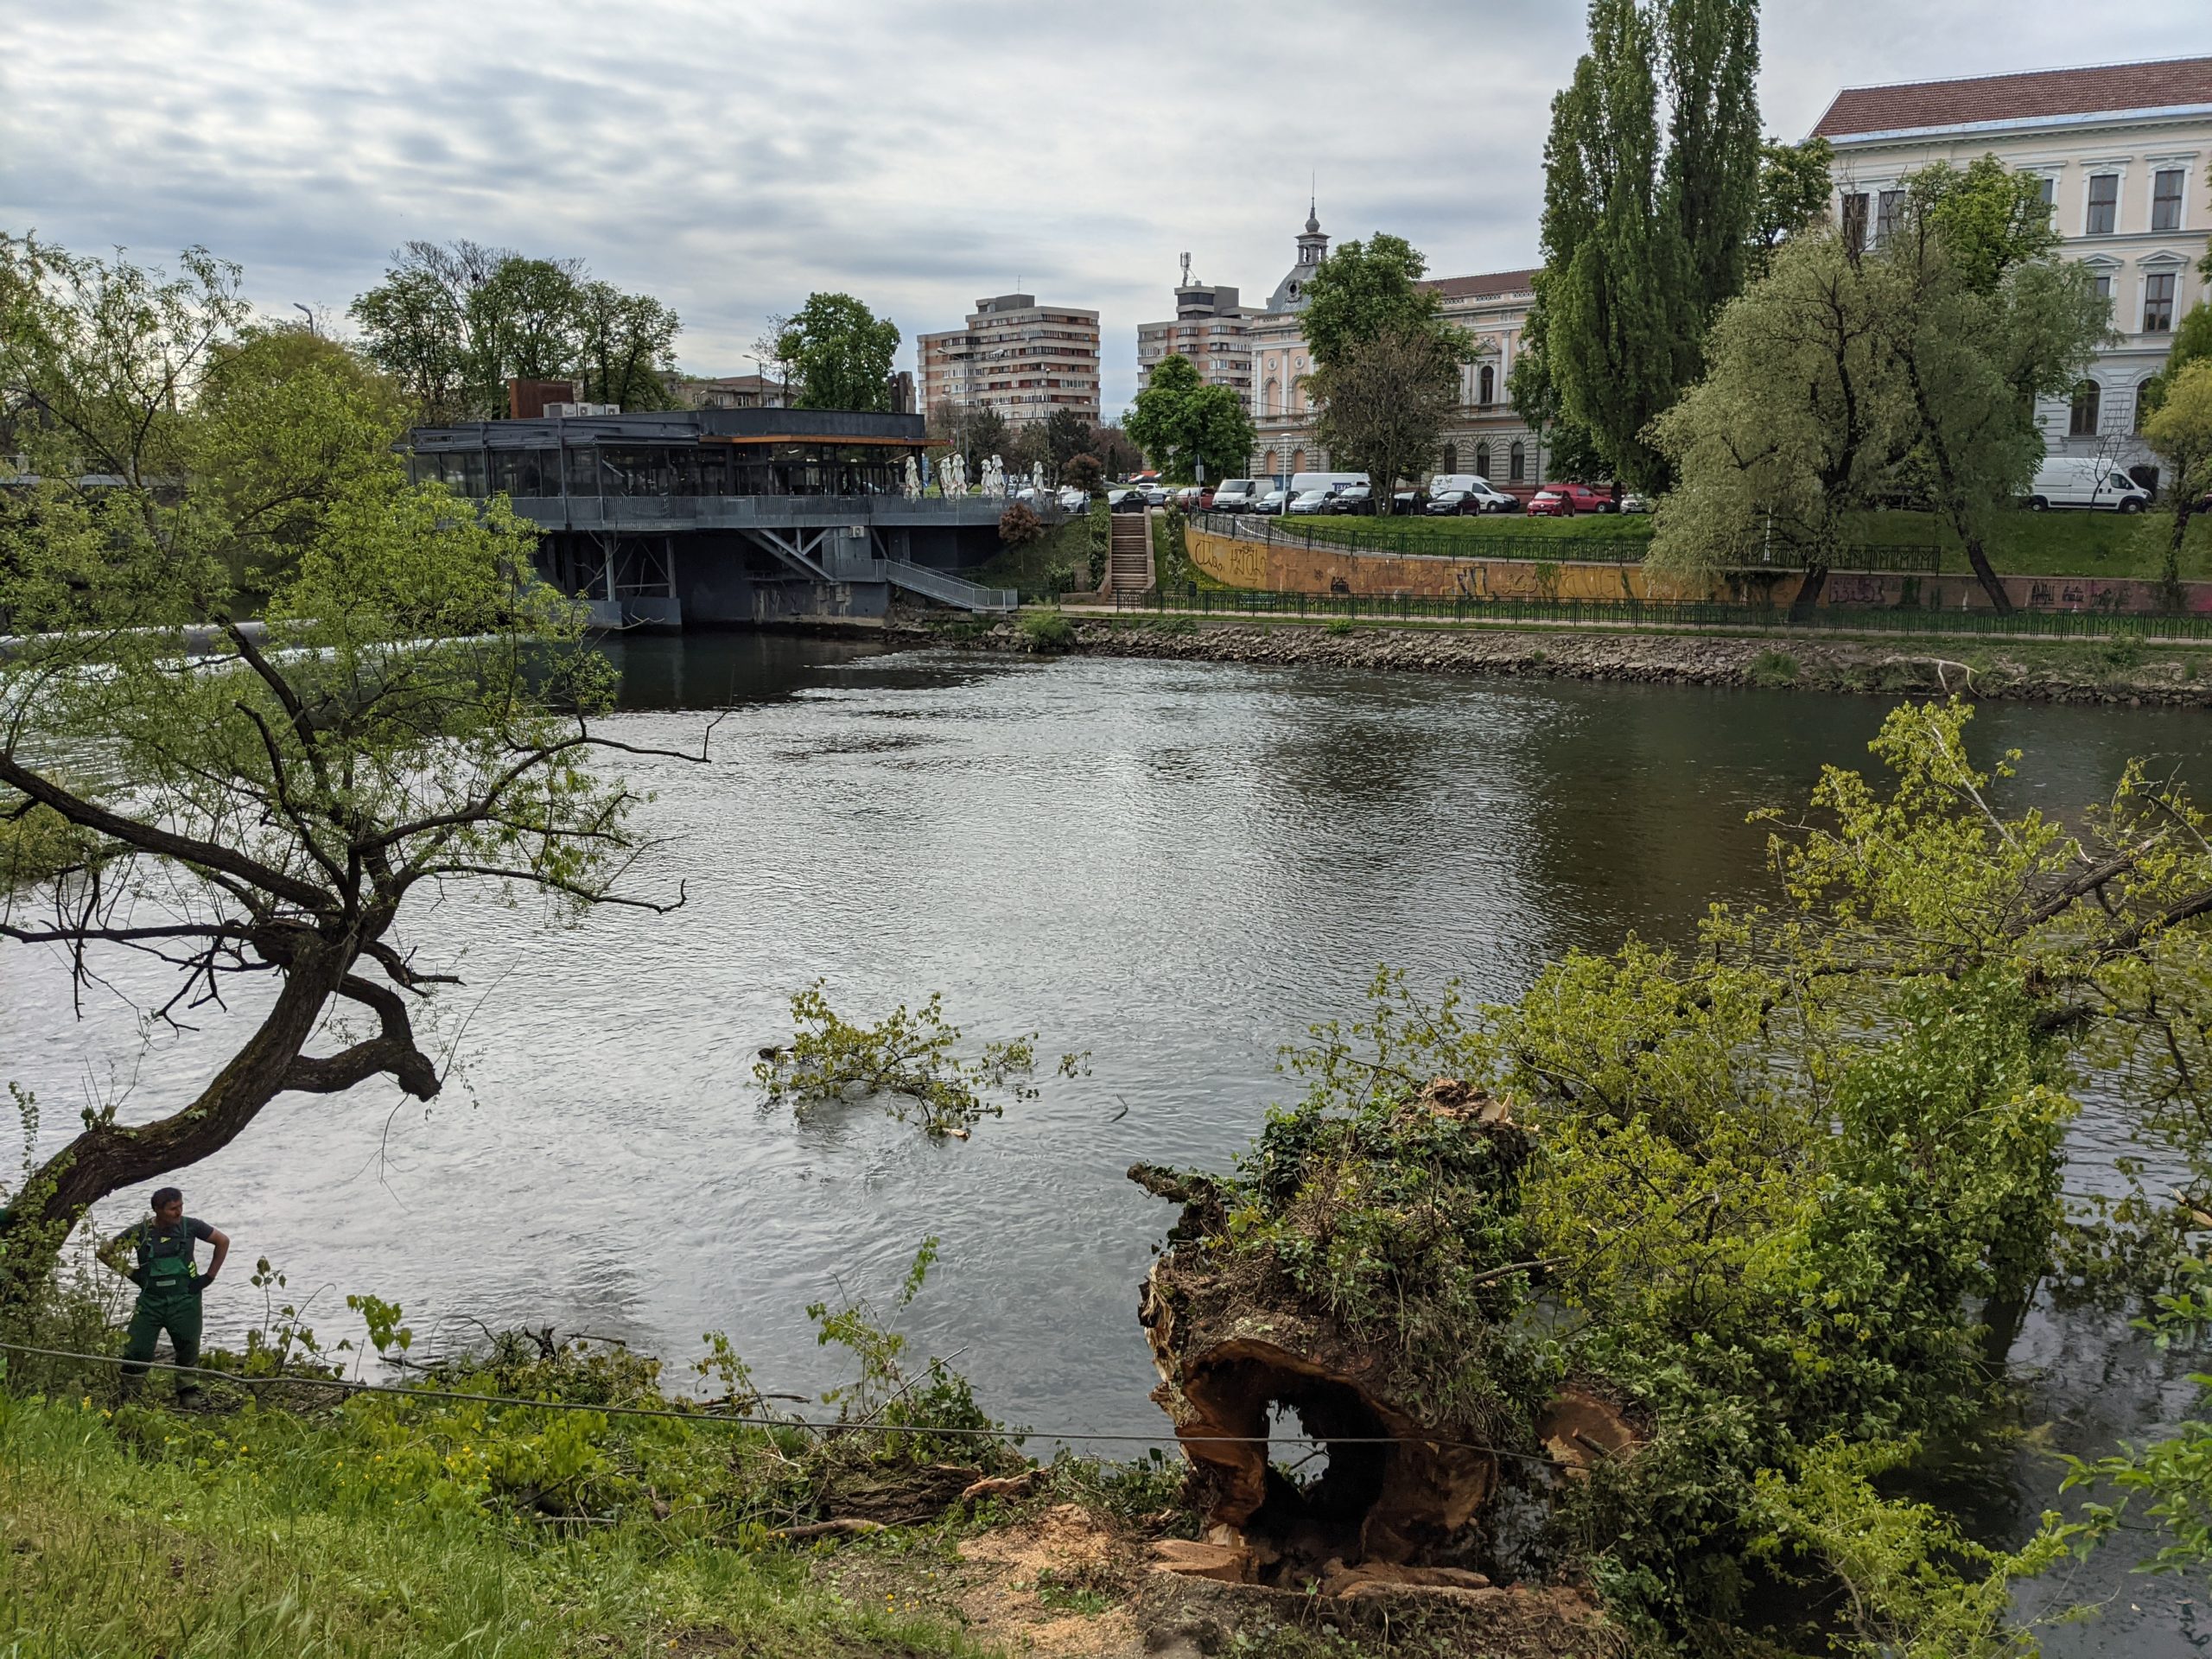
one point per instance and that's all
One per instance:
(1747, 1239)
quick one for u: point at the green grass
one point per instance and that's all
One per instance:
(1066, 548)
(140, 1533)
(2026, 543)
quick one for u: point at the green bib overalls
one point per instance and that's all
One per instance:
(168, 1302)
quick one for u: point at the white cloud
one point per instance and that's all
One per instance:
(731, 157)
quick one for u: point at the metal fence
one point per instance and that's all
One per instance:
(1655, 614)
(1429, 539)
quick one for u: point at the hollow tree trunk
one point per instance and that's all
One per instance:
(106, 1157)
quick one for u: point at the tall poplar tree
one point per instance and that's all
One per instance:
(1643, 242)
(1615, 259)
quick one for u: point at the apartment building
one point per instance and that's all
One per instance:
(1017, 357)
(2123, 151)
(1211, 328)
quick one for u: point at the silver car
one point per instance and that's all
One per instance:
(1312, 503)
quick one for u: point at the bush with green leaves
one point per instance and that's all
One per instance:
(910, 1062)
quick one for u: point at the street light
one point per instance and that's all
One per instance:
(309, 316)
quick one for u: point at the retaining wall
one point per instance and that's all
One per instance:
(1290, 568)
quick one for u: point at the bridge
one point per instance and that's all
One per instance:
(723, 516)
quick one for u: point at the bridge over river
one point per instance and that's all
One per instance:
(726, 516)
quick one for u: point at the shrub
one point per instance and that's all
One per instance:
(1084, 472)
(1773, 668)
(1019, 525)
(1047, 630)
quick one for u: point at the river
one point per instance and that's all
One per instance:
(1174, 866)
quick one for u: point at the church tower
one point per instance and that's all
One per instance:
(1312, 249)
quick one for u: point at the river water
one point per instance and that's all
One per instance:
(1173, 865)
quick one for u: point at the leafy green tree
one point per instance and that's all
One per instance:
(1989, 218)
(453, 324)
(840, 353)
(1711, 181)
(1847, 378)
(1534, 392)
(1615, 257)
(1067, 435)
(1642, 248)
(413, 718)
(1364, 290)
(625, 346)
(1983, 324)
(1183, 424)
(2192, 343)
(1084, 472)
(1801, 419)
(1384, 404)
(1795, 181)
(2180, 430)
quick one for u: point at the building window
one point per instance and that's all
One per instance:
(2102, 282)
(2049, 191)
(2165, 199)
(2137, 413)
(1486, 384)
(1298, 461)
(1451, 457)
(2104, 204)
(1517, 462)
(2158, 302)
(1854, 221)
(1481, 459)
(1886, 208)
(2088, 406)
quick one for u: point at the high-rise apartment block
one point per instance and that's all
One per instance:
(1017, 357)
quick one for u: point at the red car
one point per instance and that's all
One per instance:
(1565, 501)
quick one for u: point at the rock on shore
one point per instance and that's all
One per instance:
(2118, 671)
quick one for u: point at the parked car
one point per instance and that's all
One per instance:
(1125, 498)
(1235, 495)
(1072, 499)
(2085, 482)
(1408, 501)
(1310, 503)
(1565, 501)
(1453, 504)
(1353, 498)
(1273, 502)
(1635, 502)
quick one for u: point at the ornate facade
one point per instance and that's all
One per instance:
(2122, 150)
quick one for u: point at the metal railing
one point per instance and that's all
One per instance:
(948, 590)
(1433, 538)
(1672, 614)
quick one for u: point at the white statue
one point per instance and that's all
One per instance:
(997, 475)
(913, 487)
(959, 475)
(1037, 477)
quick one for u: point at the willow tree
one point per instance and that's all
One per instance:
(272, 815)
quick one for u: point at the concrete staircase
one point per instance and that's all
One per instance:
(1128, 556)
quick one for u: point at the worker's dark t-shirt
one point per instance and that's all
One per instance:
(146, 1232)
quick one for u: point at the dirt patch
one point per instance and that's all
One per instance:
(1054, 1584)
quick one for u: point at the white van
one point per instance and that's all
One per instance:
(1235, 495)
(2086, 481)
(1301, 482)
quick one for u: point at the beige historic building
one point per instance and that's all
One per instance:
(1485, 435)
(1015, 356)
(2124, 151)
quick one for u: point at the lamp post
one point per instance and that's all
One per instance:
(309, 316)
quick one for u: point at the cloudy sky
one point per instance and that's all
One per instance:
(732, 156)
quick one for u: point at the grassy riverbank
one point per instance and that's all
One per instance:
(266, 1535)
(2026, 543)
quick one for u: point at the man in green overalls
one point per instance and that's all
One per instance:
(169, 1287)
